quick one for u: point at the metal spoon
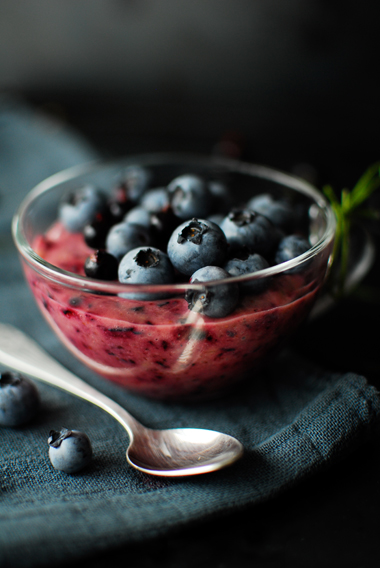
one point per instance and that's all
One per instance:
(174, 452)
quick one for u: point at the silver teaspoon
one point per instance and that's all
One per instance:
(173, 452)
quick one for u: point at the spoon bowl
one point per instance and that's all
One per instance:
(171, 453)
(182, 451)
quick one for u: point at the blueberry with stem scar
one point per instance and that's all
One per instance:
(79, 208)
(189, 196)
(250, 230)
(279, 212)
(69, 450)
(145, 265)
(214, 301)
(19, 399)
(195, 244)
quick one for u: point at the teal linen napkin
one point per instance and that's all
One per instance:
(294, 419)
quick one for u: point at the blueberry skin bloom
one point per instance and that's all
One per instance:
(124, 237)
(189, 196)
(246, 229)
(213, 301)
(279, 212)
(290, 247)
(136, 179)
(19, 399)
(139, 216)
(80, 207)
(69, 450)
(145, 265)
(155, 200)
(249, 265)
(101, 265)
(195, 244)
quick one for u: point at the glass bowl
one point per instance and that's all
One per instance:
(145, 337)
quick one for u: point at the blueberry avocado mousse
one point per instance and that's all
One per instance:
(194, 301)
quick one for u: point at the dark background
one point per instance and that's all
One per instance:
(292, 84)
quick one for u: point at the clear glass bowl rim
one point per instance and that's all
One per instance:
(115, 288)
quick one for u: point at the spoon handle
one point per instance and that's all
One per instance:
(23, 354)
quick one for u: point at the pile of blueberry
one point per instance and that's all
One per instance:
(184, 231)
(69, 450)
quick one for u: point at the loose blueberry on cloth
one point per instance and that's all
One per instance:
(294, 419)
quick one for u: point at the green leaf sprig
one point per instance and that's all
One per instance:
(348, 209)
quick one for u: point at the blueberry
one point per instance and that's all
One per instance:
(101, 265)
(213, 301)
(69, 450)
(290, 247)
(163, 224)
(145, 265)
(195, 244)
(80, 207)
(124, 237)
(248, 265)
(216, 218)
(279, 212)
(119, 203)
(19, 399)
(139, 216)
(222, 198)
(136, 179)
(95, 233)
(189, 196)
(249, 230)
(155, 200)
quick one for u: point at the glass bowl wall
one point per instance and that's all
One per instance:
(157, 346)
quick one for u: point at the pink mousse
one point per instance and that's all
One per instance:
(160, 348)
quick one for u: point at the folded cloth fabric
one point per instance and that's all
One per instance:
(294, 419)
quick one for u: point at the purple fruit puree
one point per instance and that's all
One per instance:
(160, 348)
